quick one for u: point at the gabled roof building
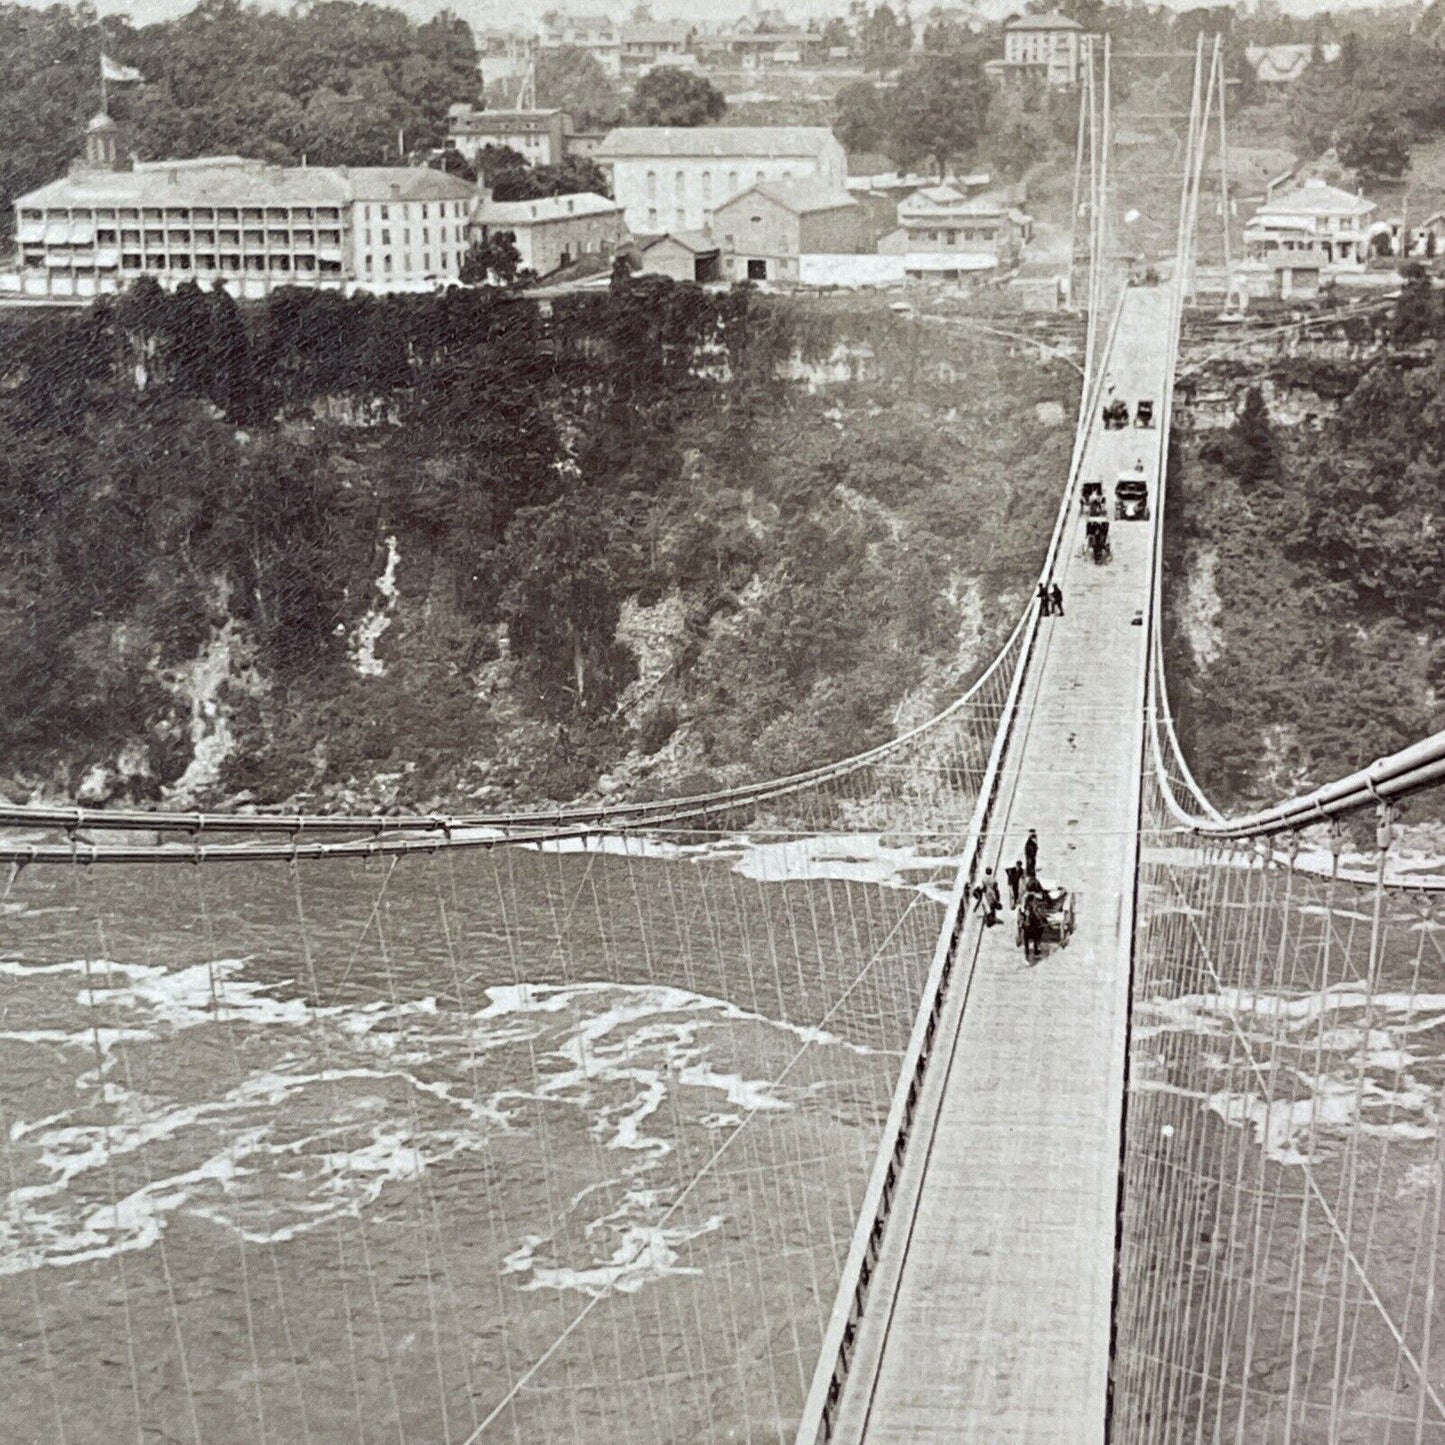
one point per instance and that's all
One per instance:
(673, 178)
(246, 224)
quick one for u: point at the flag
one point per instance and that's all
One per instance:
(118, 74)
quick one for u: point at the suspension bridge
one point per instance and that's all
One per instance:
(726, 1117)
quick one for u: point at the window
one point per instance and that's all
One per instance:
(732, 181)
(423, 210)
(652, 185)
(652, 218)
(426, 235)
(757, 270)
(385, 215)
(386, 236)
(681, 219)
(367, 265)
(679, 182)
(707, 186)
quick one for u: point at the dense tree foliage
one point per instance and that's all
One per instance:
(174, 467)
(573, 80)
(1327, 560)
(336, 82)
(935, 113)
(670, 96)
(1384, 93)
(884, 39)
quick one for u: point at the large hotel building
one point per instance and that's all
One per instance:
(247, 224)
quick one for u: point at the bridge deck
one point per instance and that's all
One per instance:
(989, 1318)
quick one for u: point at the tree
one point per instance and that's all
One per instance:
(939, 109)
(884, 40)
(1416, 311)
(572, 79)
(1375, 143)
(569, 177)
(860, 117)
(669, 96)
(497, 257)
(835, 34)
(563, 605)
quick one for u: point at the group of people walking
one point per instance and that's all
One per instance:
(1021, 876)
(1051, 600)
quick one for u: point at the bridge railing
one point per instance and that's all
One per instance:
(836, 1358)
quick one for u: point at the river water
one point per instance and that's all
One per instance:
(500, 1144)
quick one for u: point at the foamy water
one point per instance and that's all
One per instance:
(318, 1110)
(1336, 1061)
(818, 857)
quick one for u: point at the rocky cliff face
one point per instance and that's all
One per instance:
(506, 584)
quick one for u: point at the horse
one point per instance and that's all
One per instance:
(1032, 923)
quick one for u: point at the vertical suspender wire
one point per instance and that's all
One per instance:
(313, 980)
(1078, 182)
(108, 1112)
(1303, 1234)
(1351, 1156)
(1249, 906)
(1277, 1016)
(425, 1198)
(1383, 1148)
(208, 932)
(1428, 928)
(8, 1136)
(163, 1254)
(1224, 170)
(1437, 1190)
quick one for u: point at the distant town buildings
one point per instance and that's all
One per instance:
(684, 255)
(947, 231)
(554, 231)
(1315, 219)
(244, 223)
(645, 46)
(538, 136)
(1048, 48)
(596, 34)
(771, 224)
(674, 178)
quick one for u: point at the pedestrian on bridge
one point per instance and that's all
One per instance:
(1043, 599)
(987, 898)
(1031, 854)
(1056, 600)
(1015, 875)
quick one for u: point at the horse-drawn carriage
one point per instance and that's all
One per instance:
(1144, 414)
(1131, 498)
(1045, 915)
(1096, 538)
(1116, 414)
(1092, 501)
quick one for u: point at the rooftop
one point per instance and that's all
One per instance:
(716, 140)
(698, 242)
(234, 181)
(801, 197)
(1316, 198)
(1043, 22)
(548, 208)
(654, 34)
